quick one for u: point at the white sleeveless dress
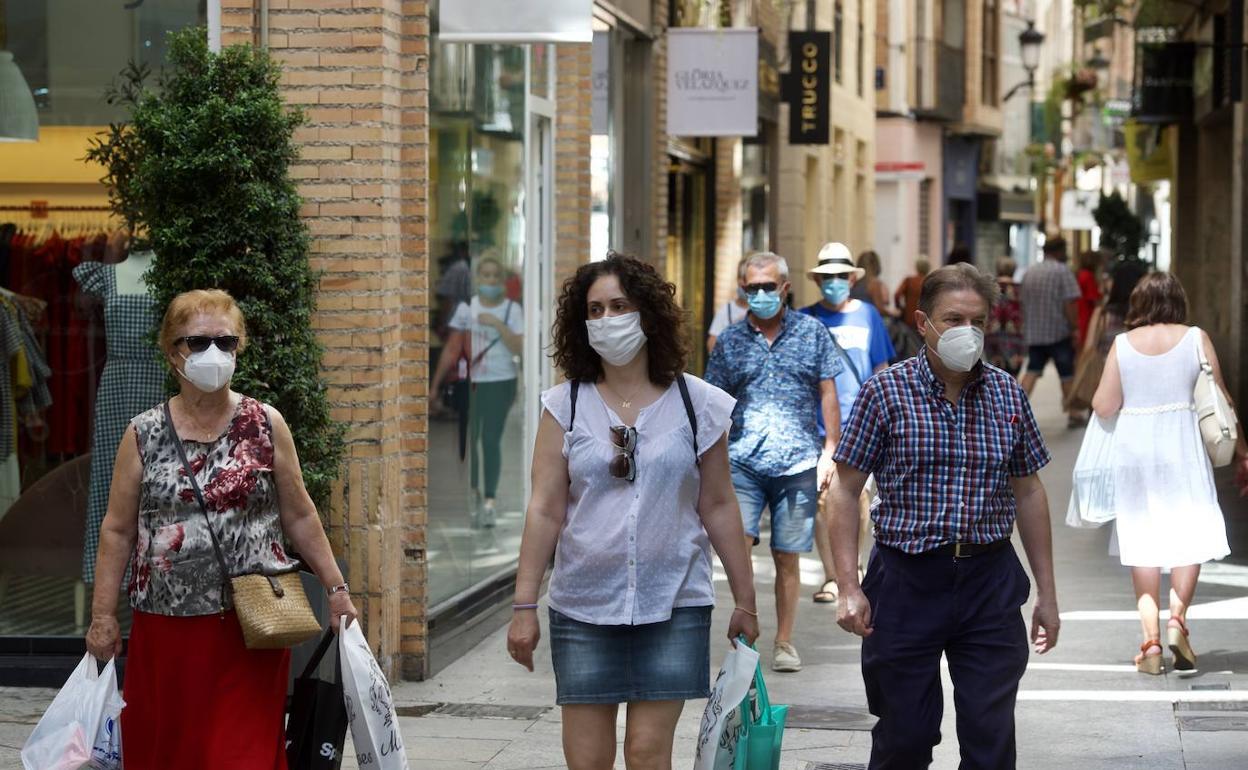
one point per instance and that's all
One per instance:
(1164, 495)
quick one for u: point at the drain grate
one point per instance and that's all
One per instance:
(474, 711)
(1213, 705)
(826, 718)
(1214, 723)
(834, 766)
(1214, 686)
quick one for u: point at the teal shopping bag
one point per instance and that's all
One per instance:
(762, 729)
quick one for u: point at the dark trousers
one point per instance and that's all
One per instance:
(967, 609)
(490, 402)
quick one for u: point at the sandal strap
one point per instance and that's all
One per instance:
(1150, 643)
(1182, 625)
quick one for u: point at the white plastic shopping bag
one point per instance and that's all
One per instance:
(721, 719)
(106, 751)
(64, 737)
(370, 709)
(1092, 490)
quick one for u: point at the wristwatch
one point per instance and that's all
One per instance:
(341, 588)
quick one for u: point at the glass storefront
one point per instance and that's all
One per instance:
(54, 218)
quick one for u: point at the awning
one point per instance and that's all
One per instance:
(516, 21)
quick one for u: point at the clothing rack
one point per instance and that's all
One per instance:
(40, 209)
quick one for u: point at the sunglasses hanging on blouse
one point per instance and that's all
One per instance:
(624, 464)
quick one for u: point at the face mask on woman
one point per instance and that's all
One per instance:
(616, 338)
(765, 304)
(961, 347)
(835, 290)
(209, 370)
(491, 291)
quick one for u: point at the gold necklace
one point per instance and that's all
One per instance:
(626, 403)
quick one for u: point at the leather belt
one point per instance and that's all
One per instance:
(966, 550)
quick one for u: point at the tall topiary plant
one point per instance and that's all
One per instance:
(205, 178)
(1121, 230)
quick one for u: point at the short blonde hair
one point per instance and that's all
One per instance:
(189, 304)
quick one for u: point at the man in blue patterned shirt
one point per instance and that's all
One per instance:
(955, 451)
(781, 367)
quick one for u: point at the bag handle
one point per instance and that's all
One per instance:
(1224, 424)
(203, 507)
(693, 419)
(760, 689)
(326, 640)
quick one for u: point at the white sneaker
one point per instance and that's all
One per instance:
(784, 658)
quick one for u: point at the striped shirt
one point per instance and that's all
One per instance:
(942, 469)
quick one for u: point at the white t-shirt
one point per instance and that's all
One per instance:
(727, 315)
(497, 364)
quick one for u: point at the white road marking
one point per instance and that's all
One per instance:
(1136, 696)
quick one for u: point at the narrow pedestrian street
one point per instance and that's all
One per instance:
(1082, 706)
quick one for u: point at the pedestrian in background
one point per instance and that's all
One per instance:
(730, 312)
(196, 696)
(955, 451)
(1050, 296)
(907, 295)
(1088, 276)
(631, 490)
(1166, 504)
(870, 288)
(1110, 318)
(862, 342)
(1003, 344)
(781, 366)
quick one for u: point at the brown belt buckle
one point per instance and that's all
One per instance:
(957, 551)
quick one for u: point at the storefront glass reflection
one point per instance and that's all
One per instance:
(477, 236)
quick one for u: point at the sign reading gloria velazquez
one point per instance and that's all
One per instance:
(807, 89)
(712, 82)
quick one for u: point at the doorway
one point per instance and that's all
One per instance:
(688, 250)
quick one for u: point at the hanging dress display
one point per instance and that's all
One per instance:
(133, 381)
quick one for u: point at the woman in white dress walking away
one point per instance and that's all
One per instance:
(1166, 505)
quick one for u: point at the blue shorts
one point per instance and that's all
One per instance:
(1062, 352)
(793, 500)
(622, 664)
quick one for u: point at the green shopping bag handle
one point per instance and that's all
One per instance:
(764, 700)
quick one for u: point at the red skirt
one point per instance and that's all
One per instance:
(198, 699)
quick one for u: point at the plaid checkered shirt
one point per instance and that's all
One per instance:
(942, 470)
(1048, 287)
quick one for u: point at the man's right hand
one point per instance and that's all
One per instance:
(853, 612)
(104, 638)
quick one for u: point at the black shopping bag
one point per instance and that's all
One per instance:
(317, 725)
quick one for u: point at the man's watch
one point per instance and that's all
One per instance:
(341, 588)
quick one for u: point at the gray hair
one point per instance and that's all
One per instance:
(764, 259)
(957, 277)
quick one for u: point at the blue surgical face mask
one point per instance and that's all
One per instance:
(765, 304)
(491, 291)
(835, 290)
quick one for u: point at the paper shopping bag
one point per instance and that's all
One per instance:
(370, 708)
(721, 719)
(317, 726)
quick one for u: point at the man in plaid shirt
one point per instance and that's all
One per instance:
(955, 451)
(1050, 299)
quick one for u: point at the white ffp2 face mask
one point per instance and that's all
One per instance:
(961, 347)
(616, 338)
(210, 370)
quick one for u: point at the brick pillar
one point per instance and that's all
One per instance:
(728, 220)
(573, 127)
(359, 68)
(659, 158)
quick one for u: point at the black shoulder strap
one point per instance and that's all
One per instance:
(853, 369)
(693, 419)
(576, 385)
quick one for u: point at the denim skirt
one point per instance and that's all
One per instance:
(621, 664)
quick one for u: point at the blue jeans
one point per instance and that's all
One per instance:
(793, 500)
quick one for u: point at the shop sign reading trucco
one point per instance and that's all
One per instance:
(712, 82)
(807, 90)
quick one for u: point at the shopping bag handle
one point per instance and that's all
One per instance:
(764, 700)
(326, 639)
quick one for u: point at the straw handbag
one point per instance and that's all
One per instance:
(273, 610)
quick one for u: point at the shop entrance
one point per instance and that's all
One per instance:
(688, 248)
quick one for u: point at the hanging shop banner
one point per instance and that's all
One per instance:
(1078, 207)
(712, 82)
(601, 82)
(1148, 151)
(807, 87)
(1164, 80)
(516, 21)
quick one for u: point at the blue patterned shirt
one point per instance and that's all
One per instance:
(942, 470)
(775, 430)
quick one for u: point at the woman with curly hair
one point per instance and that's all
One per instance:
(631, 490)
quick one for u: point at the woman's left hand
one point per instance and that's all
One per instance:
(743, 624)
(340, 604)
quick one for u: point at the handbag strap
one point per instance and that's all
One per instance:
(1224, 423)
(693, 418)
(203, 507)
(327, 639)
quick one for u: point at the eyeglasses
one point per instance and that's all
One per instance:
(198, 343)
(624, 464)
(754, 288)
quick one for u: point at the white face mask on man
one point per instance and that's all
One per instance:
(616, 338)
(960, 347)
(209, 370)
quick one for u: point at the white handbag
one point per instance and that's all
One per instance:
(1218, 424)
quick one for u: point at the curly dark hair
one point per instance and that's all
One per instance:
(662, 320)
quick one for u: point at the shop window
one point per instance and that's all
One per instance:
(990, 77)
(477, 231)
(755, 198)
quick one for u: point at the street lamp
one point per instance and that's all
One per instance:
(1030, 41)
(1100, 65)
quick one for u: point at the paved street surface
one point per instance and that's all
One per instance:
(1081, 706)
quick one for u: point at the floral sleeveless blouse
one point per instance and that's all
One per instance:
(174, 570)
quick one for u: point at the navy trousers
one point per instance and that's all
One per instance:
(969, 610)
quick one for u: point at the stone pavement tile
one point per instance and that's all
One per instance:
(1097, 734)
(1215, 750)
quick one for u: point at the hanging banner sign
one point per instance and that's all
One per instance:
(1148, 151)
(1078, 207)
(516, 21)
(1165, 74)
(807, 87)
(712, 82)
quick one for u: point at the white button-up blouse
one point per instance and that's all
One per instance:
(631, 552)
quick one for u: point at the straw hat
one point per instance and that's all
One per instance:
(836, 259)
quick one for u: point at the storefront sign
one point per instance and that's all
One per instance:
(1148, 151)
(1078, 207)
(712, 82)
(516, 21)
(1164, 81)
(808, 90)
(601, 83)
